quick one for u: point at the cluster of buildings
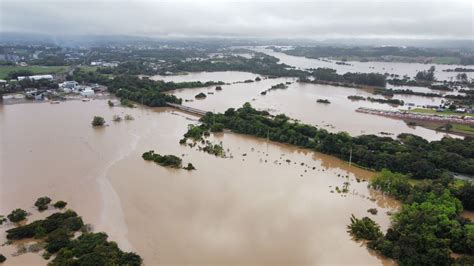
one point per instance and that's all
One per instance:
(84, 90)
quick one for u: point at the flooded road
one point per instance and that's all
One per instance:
(255, 208)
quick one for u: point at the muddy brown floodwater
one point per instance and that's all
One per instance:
(299, 101)
(255, 209)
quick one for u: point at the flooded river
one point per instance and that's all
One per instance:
(255, 208)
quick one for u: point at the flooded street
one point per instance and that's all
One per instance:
(255, 208)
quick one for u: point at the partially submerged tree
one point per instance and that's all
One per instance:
(17, 215)
(98, 121)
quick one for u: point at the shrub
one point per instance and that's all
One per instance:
(200, 96)
(42, 203)
(60, 204)
(98, 121)
(372, 211)
(128, 117)
(17, 215)
(189, 167)
(110, 103)
(2, 258)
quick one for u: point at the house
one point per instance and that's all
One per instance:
(69, 84)
(87, 92)
(34, 94)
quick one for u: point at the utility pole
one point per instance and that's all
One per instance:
(350, 157)
(268, 138)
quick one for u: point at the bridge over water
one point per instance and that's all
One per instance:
(187, 109)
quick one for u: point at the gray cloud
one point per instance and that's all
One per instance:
(281, 19)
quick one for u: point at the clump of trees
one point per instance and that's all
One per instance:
(57, 232)
(42, 203)
(163, 160)
(98, 121)
(17, 215)
(427, 229)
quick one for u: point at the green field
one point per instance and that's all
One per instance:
(465, 129)
(88, 68)
(458, 129)
(4, 70)
(446, 60)
(432, 111)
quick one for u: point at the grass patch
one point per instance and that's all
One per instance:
(458, 129)
(446, 60)
(432, 111)
(88, 68)
(38, 70)
(461, 128)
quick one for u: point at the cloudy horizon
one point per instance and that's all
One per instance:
(282, 19)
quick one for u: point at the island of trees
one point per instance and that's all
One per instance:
(163, 160)
(67, 240)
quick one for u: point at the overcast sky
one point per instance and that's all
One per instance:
(281, 19)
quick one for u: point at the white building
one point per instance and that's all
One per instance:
(36, 77)
(69, 84)
(87, 92)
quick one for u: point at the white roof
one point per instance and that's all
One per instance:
(36, 77)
